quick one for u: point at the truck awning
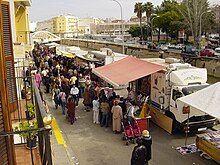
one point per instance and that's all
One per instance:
(126, 70)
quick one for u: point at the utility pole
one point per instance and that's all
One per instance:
(122, 27)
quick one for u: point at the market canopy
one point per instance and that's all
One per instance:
(206, 100)
(67, 54)
(126, 70)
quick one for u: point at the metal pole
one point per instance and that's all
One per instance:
(187, 129)
(152, 28)
(122, 27)
(156, 16)
(200, 28)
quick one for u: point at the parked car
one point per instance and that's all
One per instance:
(162, 47)
(207, 52)
(189, 49)
(131, 41)
(217, 52)
(179, 46)
(171, 46)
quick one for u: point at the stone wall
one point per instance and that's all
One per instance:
(212, 65)
(139, 51)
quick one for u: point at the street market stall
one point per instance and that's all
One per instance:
(129, 69)
(126, 70)
(206, 100)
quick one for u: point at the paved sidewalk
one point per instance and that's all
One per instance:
(61, 154)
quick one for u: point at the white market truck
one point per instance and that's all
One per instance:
(178, 80)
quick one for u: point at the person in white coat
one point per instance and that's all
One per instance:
(74, 92)
(96, 108)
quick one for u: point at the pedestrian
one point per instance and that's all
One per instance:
(47, 83)
(87, 100)
(116, 117)
(62, 98)
(147, 142)
(38, 79)
(74, 92)
(122, 104)
(82, 85)
(73, 80)
(28, 75)
(139, 154)
(71, 110)
(56, 92)
(131, 95)
(95, 107)
(130, 113)
(105, 111)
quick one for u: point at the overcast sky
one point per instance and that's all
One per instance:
(45, 9)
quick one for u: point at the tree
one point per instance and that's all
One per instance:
(135, 31)
(168, 18)
(193, 12)
(138, 9)
(149, 9)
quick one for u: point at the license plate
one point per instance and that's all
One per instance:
(202, 129)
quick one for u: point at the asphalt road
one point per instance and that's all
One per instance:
(95, 145)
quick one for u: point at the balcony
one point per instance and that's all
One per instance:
(41, 153)
(24, 2)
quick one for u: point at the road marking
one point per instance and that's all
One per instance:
(57, 133)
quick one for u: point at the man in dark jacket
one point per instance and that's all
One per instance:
(139, 154)
(147, 142)
(47, 83)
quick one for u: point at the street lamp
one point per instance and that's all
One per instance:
(156, 16)
(200, 27)
(122, 28)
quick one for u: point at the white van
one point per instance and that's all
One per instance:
(217, 52)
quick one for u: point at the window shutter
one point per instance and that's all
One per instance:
(6, 61)
(9, 57)
(3, 147)
(6, 30)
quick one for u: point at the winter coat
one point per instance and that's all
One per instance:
(139, 155)
(147, 142)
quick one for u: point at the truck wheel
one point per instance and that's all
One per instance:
(175, 124)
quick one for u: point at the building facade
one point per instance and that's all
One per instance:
(115, 27)
(22, 21)
(64, 26)
(88, 25)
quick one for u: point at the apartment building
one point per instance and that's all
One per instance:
(64, 25)
(114, 27)
(88, 25)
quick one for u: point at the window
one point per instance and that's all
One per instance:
(176, 94)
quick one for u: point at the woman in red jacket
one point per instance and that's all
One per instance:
(71, 110)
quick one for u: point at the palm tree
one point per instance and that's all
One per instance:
(148, 8)
(139, 9)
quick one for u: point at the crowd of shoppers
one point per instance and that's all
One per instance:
(67, 81)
